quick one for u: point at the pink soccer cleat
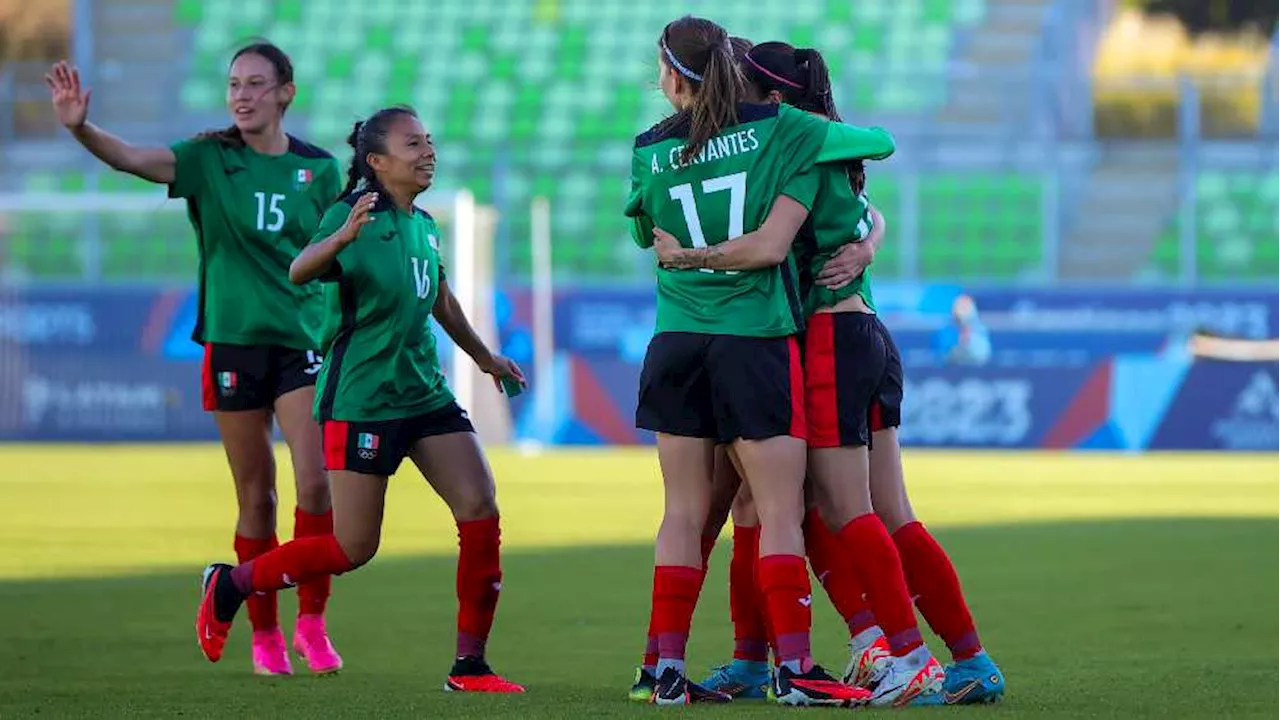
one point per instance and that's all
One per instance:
(270, 656)
(311, 642)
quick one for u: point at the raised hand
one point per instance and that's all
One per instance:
(70, 99)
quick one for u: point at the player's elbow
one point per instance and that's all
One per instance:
(776, 254)
(296, 274)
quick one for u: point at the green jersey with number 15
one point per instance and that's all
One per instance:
(725, 191)
(253, 214)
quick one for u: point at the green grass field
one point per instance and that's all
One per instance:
(1106, 586)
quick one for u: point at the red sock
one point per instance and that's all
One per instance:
(750, 636)
(834, 570)
(313, 595)
(933, 580)
(296, 561)
(708, 544)
(785, 582)
(479, 583)
(675, 595)
(263, 613)
(875, 559)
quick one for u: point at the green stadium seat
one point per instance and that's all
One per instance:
(1236, 232)
(557, 88)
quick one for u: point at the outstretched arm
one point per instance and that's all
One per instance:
(71, 105)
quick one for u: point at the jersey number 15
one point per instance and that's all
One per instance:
(736, 184)
(270, 208)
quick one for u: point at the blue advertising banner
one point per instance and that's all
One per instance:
(1071, 369)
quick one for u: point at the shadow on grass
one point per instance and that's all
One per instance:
(1142, 618)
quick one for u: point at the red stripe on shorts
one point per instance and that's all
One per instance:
(335, 445)
(208, 393)
(876, 420)
(820, 381)
(799, 427)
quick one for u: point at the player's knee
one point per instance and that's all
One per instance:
(359, 550)
(313, 491)
(257, 501)
(688, 521)
(479, 504)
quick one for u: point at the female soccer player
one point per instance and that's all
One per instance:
(382, 395)
(255, 195)
(724, 365)
(845, 404)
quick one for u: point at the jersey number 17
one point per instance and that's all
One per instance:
(736, 184)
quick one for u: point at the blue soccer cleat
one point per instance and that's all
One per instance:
(745, 679)
(973, 681)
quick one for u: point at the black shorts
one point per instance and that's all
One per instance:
(251, 377)
(377, 447)
(852, 387)
(886, 404)
(722, 387)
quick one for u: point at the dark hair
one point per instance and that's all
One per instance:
(370, 136)
(801, 77)
(741, 46)
(700, 51)
(283, 66)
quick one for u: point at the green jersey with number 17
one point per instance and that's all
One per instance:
(253, 214)
(725, 191)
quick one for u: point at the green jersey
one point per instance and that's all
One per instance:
(252, 214)
(838, 217)
(380, 359)
(724, 192)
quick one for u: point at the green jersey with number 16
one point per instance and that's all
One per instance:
(252, 214)
(725, 191)
(380, 360)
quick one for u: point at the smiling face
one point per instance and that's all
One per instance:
(255, 96)
(410, 158)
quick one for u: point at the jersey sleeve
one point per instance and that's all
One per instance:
(329, 224)
(641, 224)
(850, 142)
(803, 188)
(189, 167)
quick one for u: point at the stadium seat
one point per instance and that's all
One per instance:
(1235, 233)
(542, 99)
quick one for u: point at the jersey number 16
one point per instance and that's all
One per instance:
(736, 184)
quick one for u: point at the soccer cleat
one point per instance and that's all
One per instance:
(216, 588)
(868, 665)
(815, 687)
(473, 674)
(269, 654)
(311, 642)
(673, 688)
(910, 676)
(740, 679)
(642, 690)
(973, 681)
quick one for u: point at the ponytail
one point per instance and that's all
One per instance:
(817, 83)
(359, 165)
(715, 104)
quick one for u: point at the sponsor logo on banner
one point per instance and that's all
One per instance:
(115, 408)
(47, 323)
(967, 411)
(1254, 421)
